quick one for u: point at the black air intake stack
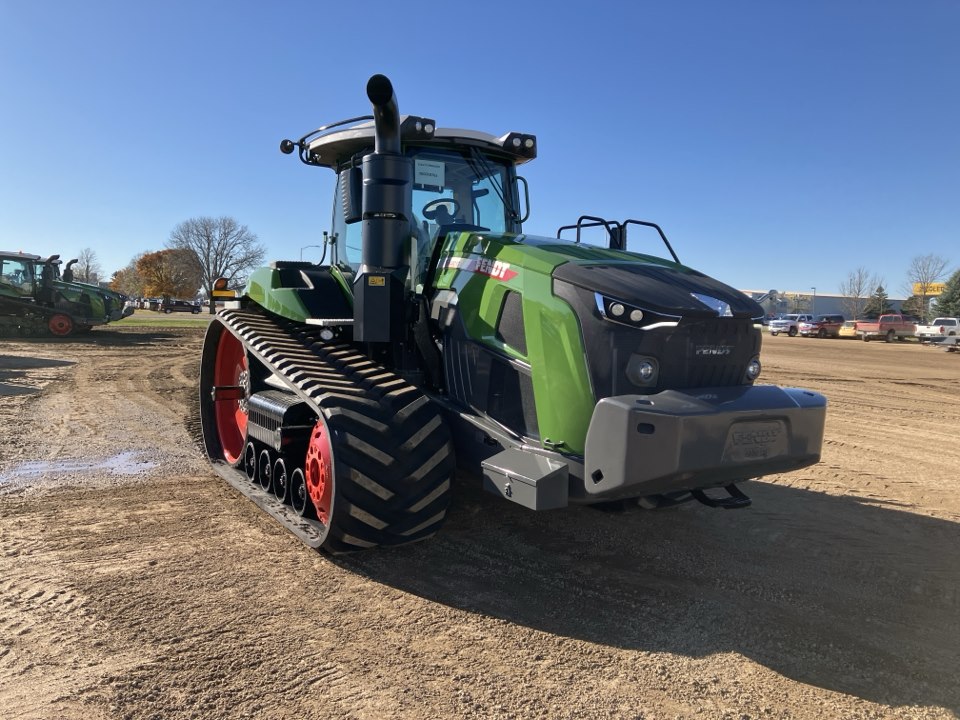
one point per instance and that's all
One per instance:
(378, 291)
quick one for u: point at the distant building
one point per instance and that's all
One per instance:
(776, 302)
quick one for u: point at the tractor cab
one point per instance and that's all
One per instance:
(462, 180)
(17, 277)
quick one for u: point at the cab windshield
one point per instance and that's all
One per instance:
(453, 189)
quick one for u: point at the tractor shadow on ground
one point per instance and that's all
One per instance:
(837, 592)
(14, 368)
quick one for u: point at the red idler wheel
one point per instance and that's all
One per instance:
(60, 325)
(319, 472)
(231, 371)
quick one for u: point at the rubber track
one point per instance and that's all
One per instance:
(392, 452)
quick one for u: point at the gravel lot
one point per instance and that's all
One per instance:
(134, 583)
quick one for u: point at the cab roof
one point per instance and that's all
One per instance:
(23, 255)
(336, 147)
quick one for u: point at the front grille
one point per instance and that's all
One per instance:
(698, 352)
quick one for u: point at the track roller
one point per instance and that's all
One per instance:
(281, 480)
(265, 470)
(299, 498)
(250, 462)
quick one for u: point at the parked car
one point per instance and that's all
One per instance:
(848, 329)
(169, 306)
(789, 324)
(823, 326)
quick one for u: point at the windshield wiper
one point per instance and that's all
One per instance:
(486, 169)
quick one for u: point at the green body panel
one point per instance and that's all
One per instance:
(481, 268)
(342, 281)
(118, 300)
(264, 288)
(73, 293)
(555, 351)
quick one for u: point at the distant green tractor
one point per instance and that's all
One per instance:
(34, 301)
(115, 303)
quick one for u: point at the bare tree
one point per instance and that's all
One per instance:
(858, 286)
(87, 267)
(924, 271)
(223, 247)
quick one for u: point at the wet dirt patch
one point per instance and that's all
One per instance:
(125, 463)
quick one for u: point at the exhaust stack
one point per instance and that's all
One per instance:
(387, 204)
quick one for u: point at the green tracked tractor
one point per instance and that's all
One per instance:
(115, 303)
(342, 397)
(34, 300)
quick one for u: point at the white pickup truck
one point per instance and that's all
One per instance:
(789, 324)
(941, 328)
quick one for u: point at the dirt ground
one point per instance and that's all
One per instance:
(134, 583)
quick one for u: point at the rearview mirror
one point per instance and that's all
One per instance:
(351, 194)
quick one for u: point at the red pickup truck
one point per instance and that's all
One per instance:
(887, 327)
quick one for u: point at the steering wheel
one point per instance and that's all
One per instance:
(437, 210)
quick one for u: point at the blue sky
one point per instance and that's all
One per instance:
(779, 144)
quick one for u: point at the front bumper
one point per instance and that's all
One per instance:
(681, 440)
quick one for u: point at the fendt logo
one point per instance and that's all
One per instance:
(495, 269)
(713, 350)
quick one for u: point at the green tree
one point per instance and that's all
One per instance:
(914, 305)
(948, 304)
(878, 304)
(127, 280)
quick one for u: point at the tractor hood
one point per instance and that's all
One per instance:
(664, 289)
(647, 282)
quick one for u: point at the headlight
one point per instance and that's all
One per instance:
(753, 369)
(621, 312)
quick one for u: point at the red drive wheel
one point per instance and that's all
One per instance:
(231, 377)
(60, 325)
(319, 475)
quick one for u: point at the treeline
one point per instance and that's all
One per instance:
(865, 296)
(199, 251)
(173, 273)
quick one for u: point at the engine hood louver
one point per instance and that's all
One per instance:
(666, 290)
